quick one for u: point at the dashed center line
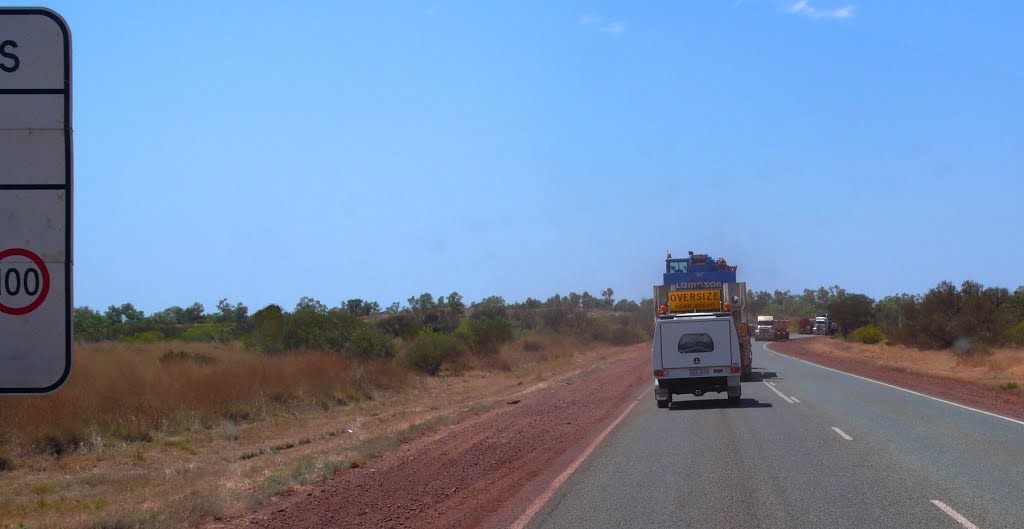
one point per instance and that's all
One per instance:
(777, 392)
(842, 434)
(954, 515)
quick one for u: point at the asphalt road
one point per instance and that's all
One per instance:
(777, 460)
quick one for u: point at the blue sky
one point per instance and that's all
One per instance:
(261, 151)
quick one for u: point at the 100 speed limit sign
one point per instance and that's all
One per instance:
(24, 283)
(35, 201)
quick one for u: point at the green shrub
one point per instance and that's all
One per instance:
(430, 352)
(272, 485)
(403, 325)
(146, 337)
(205, 332)
(489, 333)
(172, 356)
(597, 329)
(1016, 334)
(624, 336)
(1009, 386)
(268, 330)
(869, 334)
(367, 342)
(324, 331)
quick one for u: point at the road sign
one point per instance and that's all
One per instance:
(35, 201)
(683, 300)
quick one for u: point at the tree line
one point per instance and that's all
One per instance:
(426, 331)
(970, 317)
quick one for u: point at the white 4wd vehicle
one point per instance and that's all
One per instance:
(695, 354)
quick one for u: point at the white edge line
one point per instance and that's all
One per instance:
(796, 400)
(954, 515)
(842, 434)
(538, 503)
(771, 383)
(899, 388)
(777, 392)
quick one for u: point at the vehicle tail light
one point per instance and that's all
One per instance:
(659, 372)
(726, 307)
(734, 369)
(663, 309)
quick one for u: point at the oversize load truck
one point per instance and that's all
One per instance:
(701, 337)
(770, 329)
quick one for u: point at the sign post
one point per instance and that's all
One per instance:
(35, 201)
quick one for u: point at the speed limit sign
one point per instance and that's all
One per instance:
(27, 290)
(35, 201)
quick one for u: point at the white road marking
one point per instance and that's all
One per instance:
(796, 400)
(771, 383)
(901, 389)
(954, 515)
(779, 393)
(542, 500)
(842, 434)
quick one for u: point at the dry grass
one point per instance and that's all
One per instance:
(998, 367)
(230, 433)
(533, 352)
(132, 392)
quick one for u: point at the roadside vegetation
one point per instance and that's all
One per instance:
(138, 376)
(972, 333)
(1000, 369)
(156, 400)
(966, 320)
(215, 455)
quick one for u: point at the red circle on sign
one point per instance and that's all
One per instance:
(43, 291)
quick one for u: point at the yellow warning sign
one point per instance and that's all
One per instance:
(684, 300)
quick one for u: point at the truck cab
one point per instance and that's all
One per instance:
(823, 325)
(764, 330)
(770, 329)
(695, 354)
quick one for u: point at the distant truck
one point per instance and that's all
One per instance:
(824, 325)
(806, 326)
(769, 329)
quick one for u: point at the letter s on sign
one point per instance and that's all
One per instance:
(15, 62)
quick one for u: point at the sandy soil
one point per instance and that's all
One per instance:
(177, 481)
(472, 474)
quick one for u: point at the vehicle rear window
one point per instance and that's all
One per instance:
(696, 343)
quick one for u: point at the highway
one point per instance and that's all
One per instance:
(806, 448)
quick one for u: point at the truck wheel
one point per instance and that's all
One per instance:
(734, 396)
(663, 403)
